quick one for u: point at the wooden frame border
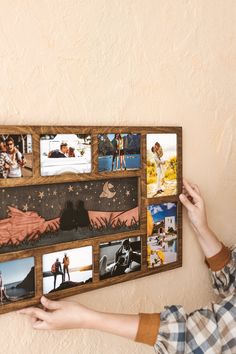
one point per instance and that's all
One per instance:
(37, 179)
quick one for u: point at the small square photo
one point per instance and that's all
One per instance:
(16, 156)
(118, 152)
(17, 280)
(67, 269)
(120, 257)
(65, 153)
(161, 165)
(162, 237)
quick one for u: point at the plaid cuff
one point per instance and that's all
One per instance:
(149, 324)
(219, 260)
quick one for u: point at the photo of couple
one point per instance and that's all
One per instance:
(15, 156)
(161, 165)
(118, 152)
(65, 153)
(57, 269)
(66, 269)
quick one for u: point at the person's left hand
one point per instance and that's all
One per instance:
(59, 315)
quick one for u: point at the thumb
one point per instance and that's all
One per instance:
(40, 325)
(49, 304)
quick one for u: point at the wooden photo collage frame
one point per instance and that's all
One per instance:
(86, 207)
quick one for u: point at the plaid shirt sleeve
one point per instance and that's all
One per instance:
(208, 330)
(224, 280)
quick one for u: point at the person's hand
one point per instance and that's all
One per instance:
(23, 163)
(194, 204)
(59, 315)
(68, 315)
(192, 200)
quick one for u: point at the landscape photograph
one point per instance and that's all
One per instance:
(17, 280)
(67, 269)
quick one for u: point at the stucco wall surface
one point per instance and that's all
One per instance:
(124, 62)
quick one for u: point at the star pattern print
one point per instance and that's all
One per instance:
(49, 200)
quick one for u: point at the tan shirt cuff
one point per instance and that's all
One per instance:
(219, 260)
(149, 324)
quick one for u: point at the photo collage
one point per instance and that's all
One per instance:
(84, 208)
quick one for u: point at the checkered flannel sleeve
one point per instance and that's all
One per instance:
(224, 279)
(208, 330)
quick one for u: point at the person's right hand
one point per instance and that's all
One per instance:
(59, 315)
(192, 200)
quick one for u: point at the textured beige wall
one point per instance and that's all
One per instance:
(124, 62)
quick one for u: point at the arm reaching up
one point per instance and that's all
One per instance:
(195, 206)
(219, 258)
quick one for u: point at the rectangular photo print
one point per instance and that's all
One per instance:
(120, 257)
(67, 269)
(43, 215)
(17, 280)
(117, 152)
(16, 156)
(162, 238)
(65, 153)
(161, 165)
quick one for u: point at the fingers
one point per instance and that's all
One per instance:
(33, 320)
(40, 325)
(194, 186)
(35, 312)
(49, 304)
(192, 190)
(186, 202)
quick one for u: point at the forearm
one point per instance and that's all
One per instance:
(142, 328)
(121, 325)
(194, 204)
(217, 255)
(208, 241)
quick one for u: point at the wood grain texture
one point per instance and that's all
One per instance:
(37, 179)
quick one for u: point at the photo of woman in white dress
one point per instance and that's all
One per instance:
(161, 165)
